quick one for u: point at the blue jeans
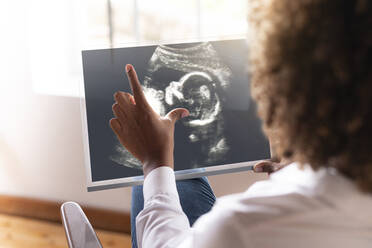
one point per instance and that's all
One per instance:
(196, 197)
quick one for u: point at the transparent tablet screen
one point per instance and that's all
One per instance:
(208, 78)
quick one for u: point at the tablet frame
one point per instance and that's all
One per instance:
(138, 180)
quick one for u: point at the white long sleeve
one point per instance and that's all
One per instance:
(294, 208)
(162, 215)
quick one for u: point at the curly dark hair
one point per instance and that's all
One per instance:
(311, 64)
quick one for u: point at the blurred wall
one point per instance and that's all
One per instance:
(41, 150)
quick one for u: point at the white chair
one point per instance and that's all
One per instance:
(79, 231)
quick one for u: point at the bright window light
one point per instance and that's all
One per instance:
(60, 29)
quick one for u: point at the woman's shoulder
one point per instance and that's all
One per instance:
(294, 198)
(294, 190)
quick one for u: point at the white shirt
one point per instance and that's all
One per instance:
(294, 208)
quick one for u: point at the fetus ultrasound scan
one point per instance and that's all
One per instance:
(210, 79)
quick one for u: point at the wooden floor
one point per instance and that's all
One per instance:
(24, 232)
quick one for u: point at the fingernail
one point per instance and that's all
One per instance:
(258, 169)
(184, 114)
(128, 67)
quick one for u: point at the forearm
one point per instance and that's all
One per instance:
(161, 223)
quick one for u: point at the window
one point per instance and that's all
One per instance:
(60, 29)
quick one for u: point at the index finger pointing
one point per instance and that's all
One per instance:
(135, 84)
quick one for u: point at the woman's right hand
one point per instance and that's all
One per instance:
(148, 136)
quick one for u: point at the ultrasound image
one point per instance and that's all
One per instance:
(199, 76)
(208, 78)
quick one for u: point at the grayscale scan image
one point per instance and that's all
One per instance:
(201, 75)
(208, 78)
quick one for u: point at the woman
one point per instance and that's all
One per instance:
(312, 80)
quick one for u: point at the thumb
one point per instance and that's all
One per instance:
(177, 114)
